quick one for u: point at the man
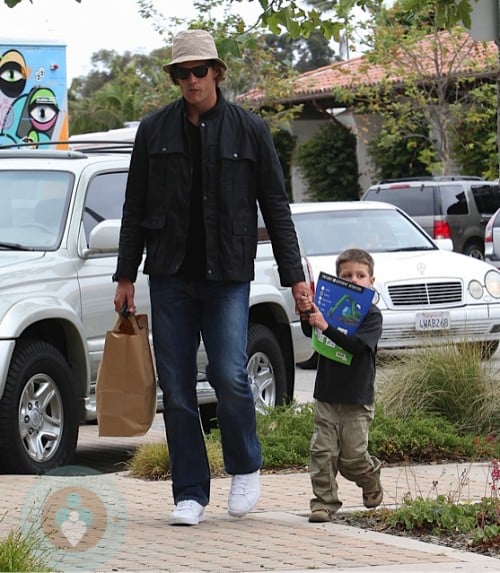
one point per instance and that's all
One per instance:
(198, 168)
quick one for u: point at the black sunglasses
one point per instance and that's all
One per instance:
(184, 73)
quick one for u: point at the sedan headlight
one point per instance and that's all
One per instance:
(492, 283)
(475, 289)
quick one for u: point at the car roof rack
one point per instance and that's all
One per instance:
(432, 178)
(82, 146)
(102, 145)
(40, 154)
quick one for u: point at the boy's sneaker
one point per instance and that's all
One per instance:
(372, 489)
(187, 512)
(244, 494)
(320, 515)
(373, 499)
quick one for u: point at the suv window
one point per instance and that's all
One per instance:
(453, 200)
(33, 206)
(415, 201)
(104, 200)
(487, 198)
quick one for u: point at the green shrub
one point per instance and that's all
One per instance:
(152, 461)
(450, 381)
(285, 142)
(441, 515)
(285, 434)
(423, 438)
(475, 133)
(433, 515)
(397, 152)
(329, 164)
(22, 552)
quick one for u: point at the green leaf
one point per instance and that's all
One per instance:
(228, 45)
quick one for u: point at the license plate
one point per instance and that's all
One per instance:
(427, 321)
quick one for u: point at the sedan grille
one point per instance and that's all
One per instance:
(426, 294)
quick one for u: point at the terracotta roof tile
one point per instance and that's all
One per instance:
(464, 56)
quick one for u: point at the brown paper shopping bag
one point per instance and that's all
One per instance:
(126, 380)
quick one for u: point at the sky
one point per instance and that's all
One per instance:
(89, 26)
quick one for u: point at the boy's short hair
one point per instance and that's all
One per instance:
(355, 255)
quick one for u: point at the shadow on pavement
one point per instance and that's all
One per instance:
(110, 455)
(105, 459)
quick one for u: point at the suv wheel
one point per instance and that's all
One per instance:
(474, 250)
(266, 367)
(38, 414)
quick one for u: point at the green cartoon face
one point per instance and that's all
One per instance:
(42, 107)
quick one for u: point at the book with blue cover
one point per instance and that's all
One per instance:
(344, 305)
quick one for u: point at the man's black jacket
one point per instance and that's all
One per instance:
(240, 167)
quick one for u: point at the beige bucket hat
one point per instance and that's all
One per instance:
(192, 45)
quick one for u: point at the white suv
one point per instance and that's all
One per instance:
(59, 225)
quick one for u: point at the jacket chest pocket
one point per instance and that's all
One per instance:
(238, 171)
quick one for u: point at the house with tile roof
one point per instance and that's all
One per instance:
(434, 58)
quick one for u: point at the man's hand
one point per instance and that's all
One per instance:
(303, 297)
(124, 296)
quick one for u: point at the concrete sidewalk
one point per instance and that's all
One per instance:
(104, 520)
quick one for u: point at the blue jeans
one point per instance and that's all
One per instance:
(181, 311)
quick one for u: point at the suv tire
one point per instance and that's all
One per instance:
(38, 414)
(475, 250)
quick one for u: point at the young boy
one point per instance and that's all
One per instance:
(344, 405)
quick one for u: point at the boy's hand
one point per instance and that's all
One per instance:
(316, 318)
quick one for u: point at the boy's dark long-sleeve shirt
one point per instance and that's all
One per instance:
(355, 383)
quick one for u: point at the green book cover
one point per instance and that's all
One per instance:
(326, 347)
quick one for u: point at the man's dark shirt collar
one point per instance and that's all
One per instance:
(213, 111)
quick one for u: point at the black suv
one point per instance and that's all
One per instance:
(453, 207)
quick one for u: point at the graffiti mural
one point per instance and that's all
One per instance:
(33, 93)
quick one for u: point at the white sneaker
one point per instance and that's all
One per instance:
(244, 494)
(187, 512)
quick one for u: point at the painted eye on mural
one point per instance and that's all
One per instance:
(12, 79)
(43, 113)
(42, 108)
(11, 74)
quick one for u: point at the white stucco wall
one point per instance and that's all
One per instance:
(362, 125)
(304, 129)
(366, 126)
